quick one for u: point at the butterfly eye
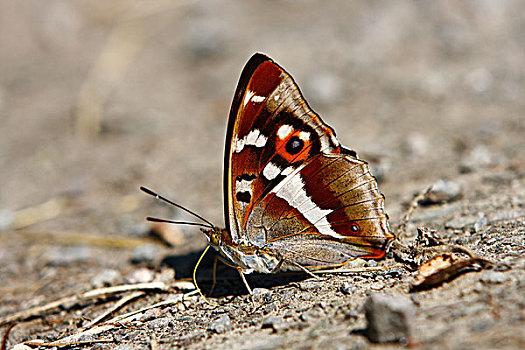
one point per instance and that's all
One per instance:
(354, 228)
(294, 145)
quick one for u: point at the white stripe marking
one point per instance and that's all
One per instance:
(258, 99)
(271, 171)
(284, 131)
(244, 186)
(238, 145)
(293, 193)
(254, 138)
(247, 97)
(261, 141)
(287, 171)
(304, 135)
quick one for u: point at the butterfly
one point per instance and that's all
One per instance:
(294, 197)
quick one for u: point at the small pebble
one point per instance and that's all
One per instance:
(309, 286)
(443, 191)
(221, 324)
(162, 322)
(355, 263)
(144, 254)
(142, 275)
(493, 277)
(321, 305)
(106, 277)
(274, 322)
(348, 288)
(351, 315)
(262, 294)
(389, 317)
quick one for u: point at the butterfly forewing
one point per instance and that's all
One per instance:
(274, 132)
(290, 188)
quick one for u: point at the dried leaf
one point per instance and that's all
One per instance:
(443, 268)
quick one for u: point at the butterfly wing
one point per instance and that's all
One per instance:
(327, 212)
(277, 145)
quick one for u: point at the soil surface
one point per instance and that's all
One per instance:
(98, 98)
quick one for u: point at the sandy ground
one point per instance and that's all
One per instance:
(98, 98)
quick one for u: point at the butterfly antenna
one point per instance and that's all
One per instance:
(177, 222)
(164, 199)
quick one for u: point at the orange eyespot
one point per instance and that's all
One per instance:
(294, 145)
(293, 148)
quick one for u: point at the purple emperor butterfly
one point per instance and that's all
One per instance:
(294, 198)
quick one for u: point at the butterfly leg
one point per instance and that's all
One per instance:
(244, 280)
(308, 272)
(278, 266)
(238, 268)
(214, 275)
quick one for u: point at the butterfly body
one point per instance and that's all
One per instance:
(294, 197)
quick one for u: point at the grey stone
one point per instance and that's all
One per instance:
(221, 324)
(106, 277)
(389, 317)
(274, 322)
(144, 254)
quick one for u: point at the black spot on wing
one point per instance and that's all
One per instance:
(243, 197)
(247, 177)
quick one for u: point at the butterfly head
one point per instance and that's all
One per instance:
(217, 236)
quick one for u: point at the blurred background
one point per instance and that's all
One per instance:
(100, 97)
